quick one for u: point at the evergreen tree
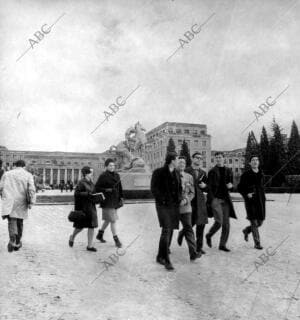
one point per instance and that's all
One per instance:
(185, 152)
(171, 146)
(292, 148)
(252, 148)
(264, 147)
(277, 156)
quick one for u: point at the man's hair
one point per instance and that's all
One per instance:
(170, 157)
(108, 161)
(20, 163)
(220, 153)
(196, 153)
(253, 156)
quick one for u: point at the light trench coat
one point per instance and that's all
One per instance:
(13, 187)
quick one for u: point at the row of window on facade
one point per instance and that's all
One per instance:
(179, 142)
(178, 131)
(230, 161)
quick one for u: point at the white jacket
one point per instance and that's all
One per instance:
(13, 186)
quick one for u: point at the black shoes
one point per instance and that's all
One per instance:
(258, 246)
(180, 238)
(18, 246)
(223, 248)
(245, 234)
(117, 242)
(100, 236)
(91, 249)
(10, 247)
(71, 241)
(195, 256)
(169, 266)
(208, 240)
(160, 260)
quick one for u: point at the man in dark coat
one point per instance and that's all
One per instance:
(219, 201)
(199, 211)
(167, 190)
(252, 189)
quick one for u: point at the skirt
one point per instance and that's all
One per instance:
(109, 214)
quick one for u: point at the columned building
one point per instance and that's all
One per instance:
(52, 167)
(194, 134)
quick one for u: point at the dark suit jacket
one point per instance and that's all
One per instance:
(213, 183)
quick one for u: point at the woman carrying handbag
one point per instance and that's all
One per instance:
(110, 184)
(85, 207)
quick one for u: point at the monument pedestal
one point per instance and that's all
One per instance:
(136, 185)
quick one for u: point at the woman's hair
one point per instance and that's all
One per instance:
(20, 163)
(86, 170)
(108, 161)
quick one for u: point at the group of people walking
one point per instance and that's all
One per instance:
(179, 194)
(18, 193)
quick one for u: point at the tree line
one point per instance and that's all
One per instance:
(279, 156)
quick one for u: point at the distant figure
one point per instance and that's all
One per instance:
(18, 193)
(251, 187)
(1, 169)
(71, 186)
(167, 190)
(219, 183)
(62, 185)
(109, 183)
(67, 186)
(84, 202)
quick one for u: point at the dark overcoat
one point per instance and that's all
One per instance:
(199, 209)
(84, 201)
(213, 181)
(253, 183)
(110, 184)
(167, 207)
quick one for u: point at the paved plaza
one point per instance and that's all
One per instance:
(48, 280)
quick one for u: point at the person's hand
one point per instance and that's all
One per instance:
(250, 195)
(229, 185)
(183, 202)
(202, 185)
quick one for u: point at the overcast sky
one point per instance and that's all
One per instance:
(56, 94)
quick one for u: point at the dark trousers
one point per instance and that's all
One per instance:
(188, 233)
(164, 243)
(15, 229)
(254, 225)
(221, 211)
(199, 236)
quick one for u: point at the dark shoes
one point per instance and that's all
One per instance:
(100, 236)
(160, 260)
(180, 238)
(71, 241)
(245, 234)
(91, 249)
(169, 266)
(117, 242)
(10, 247)
(195, 256)
(208, 240)
(258, 246)
(223, 248)
(18, 246)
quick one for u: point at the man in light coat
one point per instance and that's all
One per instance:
(18, 193)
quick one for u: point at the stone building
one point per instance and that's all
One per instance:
(52, 167)
(194, 134)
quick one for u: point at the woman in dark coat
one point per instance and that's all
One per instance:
(251, 187)
(109, 183)
(85, 201)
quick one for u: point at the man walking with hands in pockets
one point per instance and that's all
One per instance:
(219, 201)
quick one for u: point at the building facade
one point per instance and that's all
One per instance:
(194, 134)
(52, 167)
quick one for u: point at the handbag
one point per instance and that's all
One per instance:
(28, 197)
(76, 216)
